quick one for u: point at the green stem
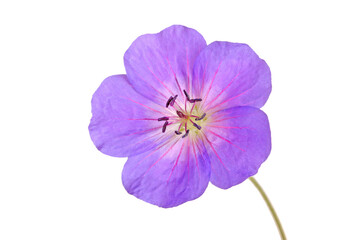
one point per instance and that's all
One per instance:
(271, 208)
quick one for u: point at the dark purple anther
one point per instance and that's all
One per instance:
(195, 100)
(180, 114)
(187, 133)
(200, 118)
(187, 95)
(197, 126)
(178, 133)
(168, 101)
(164, 126)
(164, 119)
(172, 102)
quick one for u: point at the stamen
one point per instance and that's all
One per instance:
(187, 95)
(197, 126)
(187, 133)
(200, 118)
(172, 102)
(163, 119)
(168, 101)
(179, 127)
(195, 100)
(178, 133)
(164, 126)
(180, 114)
(192, 108)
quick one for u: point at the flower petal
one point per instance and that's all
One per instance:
(170, 175)
(231, 74)
(238, 141)
(160, 64)
(123, 121)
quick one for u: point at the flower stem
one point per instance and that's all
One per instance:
(271, 208)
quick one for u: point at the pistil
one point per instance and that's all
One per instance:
(180, 114)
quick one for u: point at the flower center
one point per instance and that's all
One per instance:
(187, 120)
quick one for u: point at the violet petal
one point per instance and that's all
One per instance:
(231, 74)
(239, 144)
(154, 62)
(168, 176)
(120, 127)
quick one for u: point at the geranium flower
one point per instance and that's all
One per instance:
(185, 114)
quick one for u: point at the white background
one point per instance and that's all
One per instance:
(54, 184)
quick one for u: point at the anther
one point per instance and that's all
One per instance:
(187, 95)
(180, 114)
(195, 100)
(187, 133)
(168, 101)
(200, 118)
(197, 126)
(172, 102)
(178, 132)
(164, 126)
(163, 119)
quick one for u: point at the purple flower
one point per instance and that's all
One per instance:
(185, 114)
